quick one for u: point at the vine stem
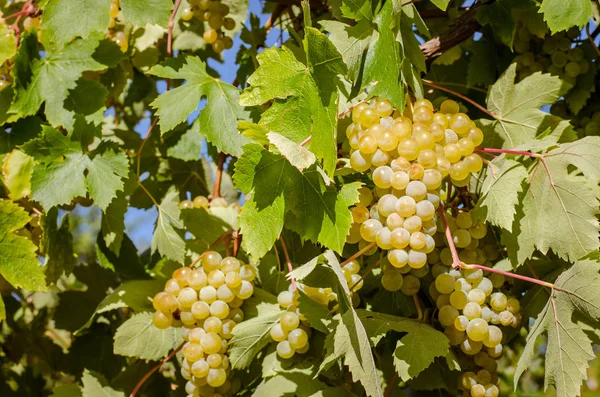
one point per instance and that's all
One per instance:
(154, 369)
(366, 273)
(219, 175)
(237, 237)
(27, 9)
(288, 261)
(461, 96)
(419, 309)
(509, 151)
(138, 154)
(345, 112)
(170, 35)
(358, 253)
(213, 245)
(591, 38)
(388, 389)
(304, 142)
(458, 264)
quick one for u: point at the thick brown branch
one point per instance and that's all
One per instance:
(459, 31)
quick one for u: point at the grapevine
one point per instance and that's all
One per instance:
(235, 198)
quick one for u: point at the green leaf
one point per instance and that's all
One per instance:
(297, 155)
(48, 80)
(203, 224)
(561, 15)
(560, 208)
(189, 146)
(57, 245)
(218, 120)
(166, 240)
(64, 19)
(138, 337)
(500, 191)
(441, 4)
(520, 119)
(2, 309)
(482, 66)
(357, 9)
(299, 110)
(568, 347)
(63, 171)
(16, 169)
(95, 385)
(316, 212)
(135, 294)
(250, 337)
(66, 391)
(499, 15)
(415, 351)
(297, 384)
(383, 61)
(154, 12)
(350, 339)
(113, 222)
(18, 261)
(8, 46)
(126, 263)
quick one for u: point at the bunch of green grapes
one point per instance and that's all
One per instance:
(204, 202)
(206, 301)
(472, 306)
(552, 54)
(290, 333)
(407, 159)
(214, 13)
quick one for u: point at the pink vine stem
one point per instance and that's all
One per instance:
(458, 264)
(288, 261)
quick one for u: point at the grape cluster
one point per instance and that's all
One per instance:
(586, 122)
(214, 13)
(408, 157)
(206, 301)
(290, 333)
(552, 54)
(119, 37)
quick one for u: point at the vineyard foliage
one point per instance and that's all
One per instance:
(299, 198)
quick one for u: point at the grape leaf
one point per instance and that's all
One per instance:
(499, 15)
(63, 171)
(500, 191)
(519, 118)
(568, 348)
(218, 120)
(482, 65)
(297, 155)
(351, 41)
(48, 80)
(135, 294)
(65, 19)
(8, 46)
(316, 212)
(66, 391)
(138, 337)
(350, 339)
(189, 146)
(16, 172)
(415, 351)
(113, 222)
(57, 246)
(18, 262)
(250, 337)
(95, 385)
(125, 263)
(2, 309)
(297, 384)
(561, 15)
(357, 9)
(299, 109)
(441, 4)
(559, 207)
(203, 224)
(166, 239)
(154, 12)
